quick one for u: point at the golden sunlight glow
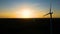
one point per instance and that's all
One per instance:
(26, 13)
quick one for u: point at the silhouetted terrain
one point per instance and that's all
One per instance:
(28, 26)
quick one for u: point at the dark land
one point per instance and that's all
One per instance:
(29, 25)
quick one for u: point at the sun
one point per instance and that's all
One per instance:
(25, 13)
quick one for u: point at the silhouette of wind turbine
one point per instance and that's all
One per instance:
(50, 13)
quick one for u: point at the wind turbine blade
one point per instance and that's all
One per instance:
(46, 14)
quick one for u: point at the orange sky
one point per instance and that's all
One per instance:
(28, 8)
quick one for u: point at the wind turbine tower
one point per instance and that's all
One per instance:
(50, 13)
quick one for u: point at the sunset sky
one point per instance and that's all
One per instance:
(28, 8)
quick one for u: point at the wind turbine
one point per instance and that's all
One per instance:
(50, 13)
